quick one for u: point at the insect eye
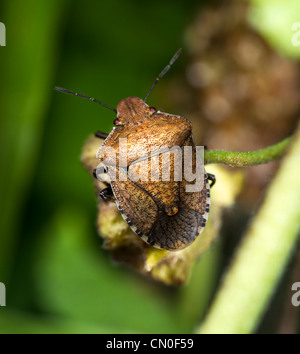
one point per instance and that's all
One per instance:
(152, 110)
(117, 121)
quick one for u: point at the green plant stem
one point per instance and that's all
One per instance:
(244, 159)
(262, 255)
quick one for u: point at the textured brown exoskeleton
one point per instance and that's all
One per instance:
(159, 211)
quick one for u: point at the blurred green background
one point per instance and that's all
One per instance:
(57, 275)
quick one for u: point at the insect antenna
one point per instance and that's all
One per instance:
(87, 97)
(164, 71)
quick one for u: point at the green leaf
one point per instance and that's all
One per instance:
(76, 279)
(15, 322)
(27, 69)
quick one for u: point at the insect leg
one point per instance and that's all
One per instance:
(101, 135)
(106, 193)
(97, 172)
(211, 178)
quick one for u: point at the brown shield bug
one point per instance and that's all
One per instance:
(162, 211)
